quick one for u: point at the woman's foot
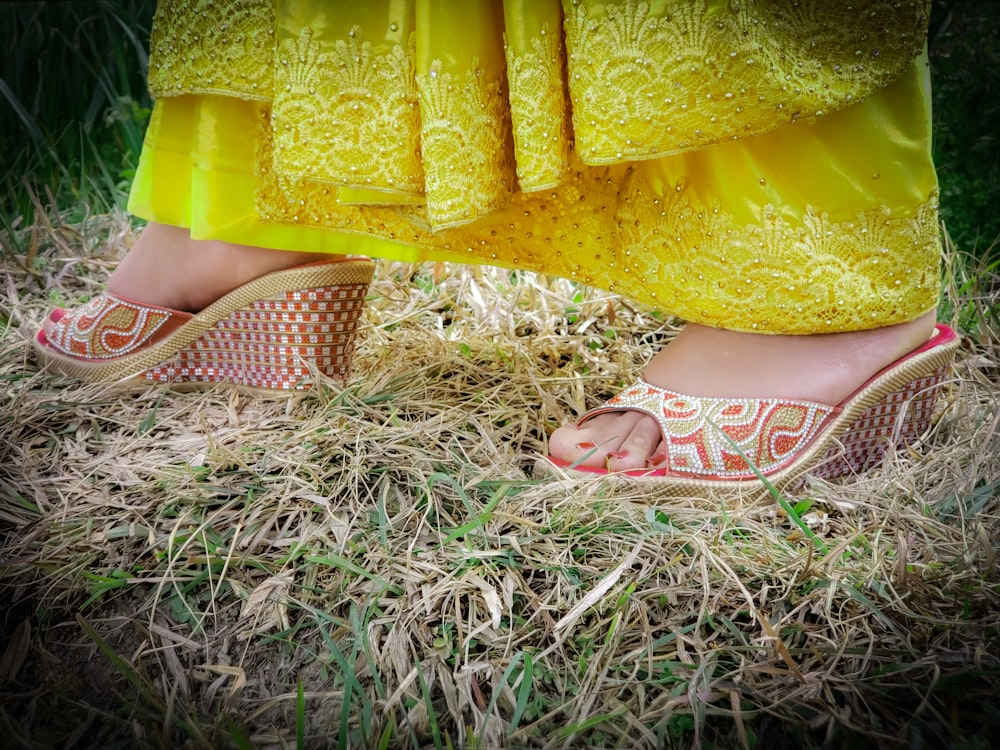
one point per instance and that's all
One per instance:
(242, 316)
(166, 268)
(711, 362)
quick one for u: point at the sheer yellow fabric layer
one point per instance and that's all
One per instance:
(762, 167)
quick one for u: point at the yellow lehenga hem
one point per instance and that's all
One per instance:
(385, 132)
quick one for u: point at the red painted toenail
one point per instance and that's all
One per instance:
(586, 446)
(57, 314)
(41, 338)
(656, 459)
(618, 455)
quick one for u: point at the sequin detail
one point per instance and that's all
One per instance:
(817, 273)
(811, 274)
(644, 78)
(770, 432)
(466, 145)
(106, 327)
(679, 76)
(212, 47)
(538, 111)
(347, 114)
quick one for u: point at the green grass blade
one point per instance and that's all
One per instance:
(431, 715)
(778, 496)
(523, 693)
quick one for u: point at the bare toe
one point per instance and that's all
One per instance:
(50, 322)
(619, 441)
(639, 447)
(592, 444)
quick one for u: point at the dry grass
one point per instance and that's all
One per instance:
(378, 567)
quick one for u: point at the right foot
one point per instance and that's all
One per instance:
(711, 362)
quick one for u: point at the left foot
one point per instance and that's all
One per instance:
(711, 362)
(166, 268)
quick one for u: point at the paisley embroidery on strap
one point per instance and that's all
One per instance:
(105, 328)
(768, 431)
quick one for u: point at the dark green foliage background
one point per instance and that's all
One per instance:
(73, 103)
(73, 108)
(965, 66)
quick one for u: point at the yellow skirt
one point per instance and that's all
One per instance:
(763, 168)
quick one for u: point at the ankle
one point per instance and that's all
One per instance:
(168, 268)
(825, 368)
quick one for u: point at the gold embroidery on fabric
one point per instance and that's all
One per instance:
(539, 112)
(697, 431)
(690, 77)
(642, 84)
(606, 228)
(106, 327)
(466, 145)
(212, 47)
(778, 275)
(347, 115)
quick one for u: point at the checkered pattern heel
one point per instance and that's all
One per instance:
(276, 343)
(726, 444)
(897, 420)
(276, 333)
